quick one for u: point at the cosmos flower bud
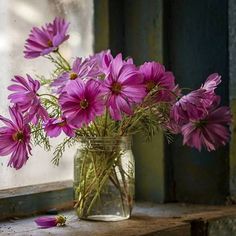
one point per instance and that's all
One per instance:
(50, 221)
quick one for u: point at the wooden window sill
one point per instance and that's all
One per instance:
(147, 219)
(35, 199)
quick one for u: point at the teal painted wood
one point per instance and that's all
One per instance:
(143, 33)
(144, 30)
(116, 26)
(101, 25)
(191, 38)
(109, 25)
(197, 36)
(30, 200)
(135, 29)
(232, 90)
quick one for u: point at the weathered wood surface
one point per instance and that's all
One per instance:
(34, 199)
(148, 219)
(197, 33)
(32, 189)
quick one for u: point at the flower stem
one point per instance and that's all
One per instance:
(90, 131)
(96, 127)
(118, 186)
(105, 123)
(47, 94)
(36, 130)
(64, 60)
(58, 64)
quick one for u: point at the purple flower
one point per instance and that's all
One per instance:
(54, 127)
(103, 60)
(24, 92)
(154, 74)
(50, 221)
(25, 96)
(36, 113)
(195, 104)
(210, 132)
(172, 126)
(15, 139)
(46, 39)
(81, 69)
(123, 87)
(191, 106)
(211, 82)
(81, 102)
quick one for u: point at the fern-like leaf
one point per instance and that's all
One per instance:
(60, 149)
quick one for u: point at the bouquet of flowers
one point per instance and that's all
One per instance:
(102, 100)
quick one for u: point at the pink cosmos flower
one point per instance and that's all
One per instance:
(103, 60)
(210, 132)
(81, 102)
(123, 87)
(15, 139)
(50, 221)
(24, 92)
(36, 113)
(195, 105)
(191, 106)
(46, 39)
(154, 74)
(172, 126)
(54, 127)
(211, 82)
(25, 96)
(81, 69)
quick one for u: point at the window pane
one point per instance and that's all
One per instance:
(17, 18)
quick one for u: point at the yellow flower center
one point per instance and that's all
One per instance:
(84, 104)
(199, 124)
(49, 43)
(73, 76)
(63, 123)
(116, 88)
(18, 136)
(61, 220)
(150, 85)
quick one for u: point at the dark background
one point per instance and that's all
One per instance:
(193, 39)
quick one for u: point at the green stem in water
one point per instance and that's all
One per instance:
(96, 127)
(105, 122)
(118, 186)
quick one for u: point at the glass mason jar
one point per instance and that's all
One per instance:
(104, 178)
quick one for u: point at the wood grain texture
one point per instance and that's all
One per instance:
(147, 220)
(29, 200)
(135, 28)
(101, 25)
(197, 36)
(232, 89)
(143, 34)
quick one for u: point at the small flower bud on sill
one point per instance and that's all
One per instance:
(50, 221)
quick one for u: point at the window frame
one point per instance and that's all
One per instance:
(36, 199)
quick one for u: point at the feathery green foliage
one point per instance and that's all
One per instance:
(59, 150)
(39, 136)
